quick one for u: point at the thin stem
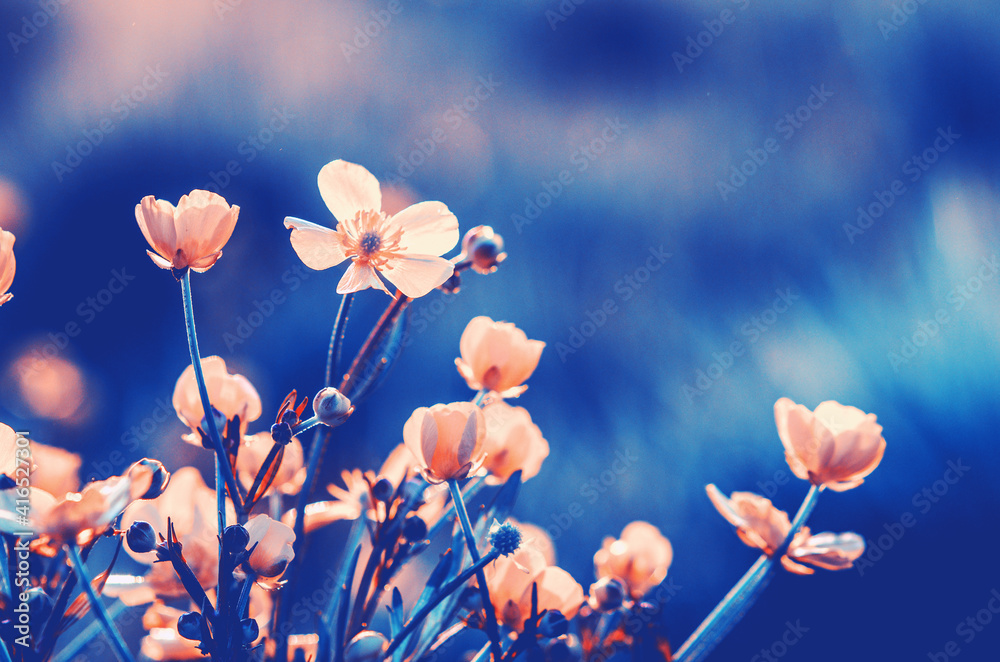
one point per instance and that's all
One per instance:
(442, 593)
(305, 425)
(337, 337)
(470, 540)
(97, 606)
(92, 630)
(224, 473)
(741, 597)
(469, 494)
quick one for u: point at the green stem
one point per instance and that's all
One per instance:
(470, 540)
(224, 474)
(742, 596)
(337, 337)
(97, 606)
(305, 425)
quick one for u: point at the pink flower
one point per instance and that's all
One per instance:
(497, 356)
(254, 450)
(513, 443)
(53, 470)
(190, 235)
(510, 579)
(7, 265)
(230, 395)
(640, 558)
(760, 525)
(273, 550)
(835, 446)
(404, 247)
(447, 440)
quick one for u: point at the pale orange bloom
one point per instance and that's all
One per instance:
(404, 247)
(497, 356)
(273, 550)
(53, 470)
(447, 440)
(535, 536)
(513, 443)
(510, 579)
(7, 265)
(254, 450)
(190, 235)
(761, 525)
(230, 395)
(640, 558)
(835, 446)
(51, 386)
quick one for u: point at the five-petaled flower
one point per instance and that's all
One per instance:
(231, 395)
(404, 248)
(447, 440)
(7, 265)
(497, 356)
(190, 235)
(510, 580)
(835, 446)
(513, 443)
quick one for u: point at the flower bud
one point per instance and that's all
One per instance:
(483, 248)
(607, 594)
(414, 528)
(281, 433)
(159, 476)
(189, 625)
(383, 489)
(332, 407)
(250, 630)
(235, 539)
(553, 624)
(141, 537)
(366, 646)
(274, 546)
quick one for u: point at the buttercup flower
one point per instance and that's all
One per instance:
(190, 235)
(7, 265)
(230, 395)
(640, 558)
(404, 248)
(497, 356)
(254, 450)
(274, 546)
(761, 525)
(835, 446)
(513, 443)
(447, 440)
(510, 579)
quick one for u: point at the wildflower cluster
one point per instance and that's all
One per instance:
(225, 558)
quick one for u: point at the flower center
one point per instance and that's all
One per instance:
(369, 244)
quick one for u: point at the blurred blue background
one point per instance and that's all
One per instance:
(817, 183)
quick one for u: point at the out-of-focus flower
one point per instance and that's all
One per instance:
(640, 558)
(332, 407)
(8, 265)
(190, 235)
(307, 643)
(835, 446)
(483, 248)
(273, 551)
(190, 504)
(52, 469)
(497, 356)
(761, 525)
(404, 247)
(51, 386)
(366, 646)
(254, 450)
(447, 440)
(538, 538)
(230, 395)
(510, 579)
(512, 443)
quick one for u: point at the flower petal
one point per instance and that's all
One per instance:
(360, 277)
(318, 247)
(429, 228)
(156, 220)
(416, 275)
(348, 188)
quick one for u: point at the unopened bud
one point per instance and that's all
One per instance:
(250, 630)
(553, 624)
(607, 594)
(235, 539)
(414, 528)
(332, 407)
(483, 248)
(383, 489)
(159, 476)
(366, 646)
(141, 537)
(189, 625)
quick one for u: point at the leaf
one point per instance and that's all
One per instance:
(503, 502)
(80, 606)
(395, 613)
(265, 475)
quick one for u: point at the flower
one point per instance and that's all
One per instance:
(404, 247)
(273, 550)
(230, 395)
(254, 450)
(761, 525)
(7, 265)
(640, 557)
(510, 579)
(54, 470)
(497, 356)
(447, 440)
(190, 235)
(835, 446)
(513, 443)
(537, 537)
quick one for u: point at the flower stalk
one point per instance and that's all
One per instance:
(97, 606)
